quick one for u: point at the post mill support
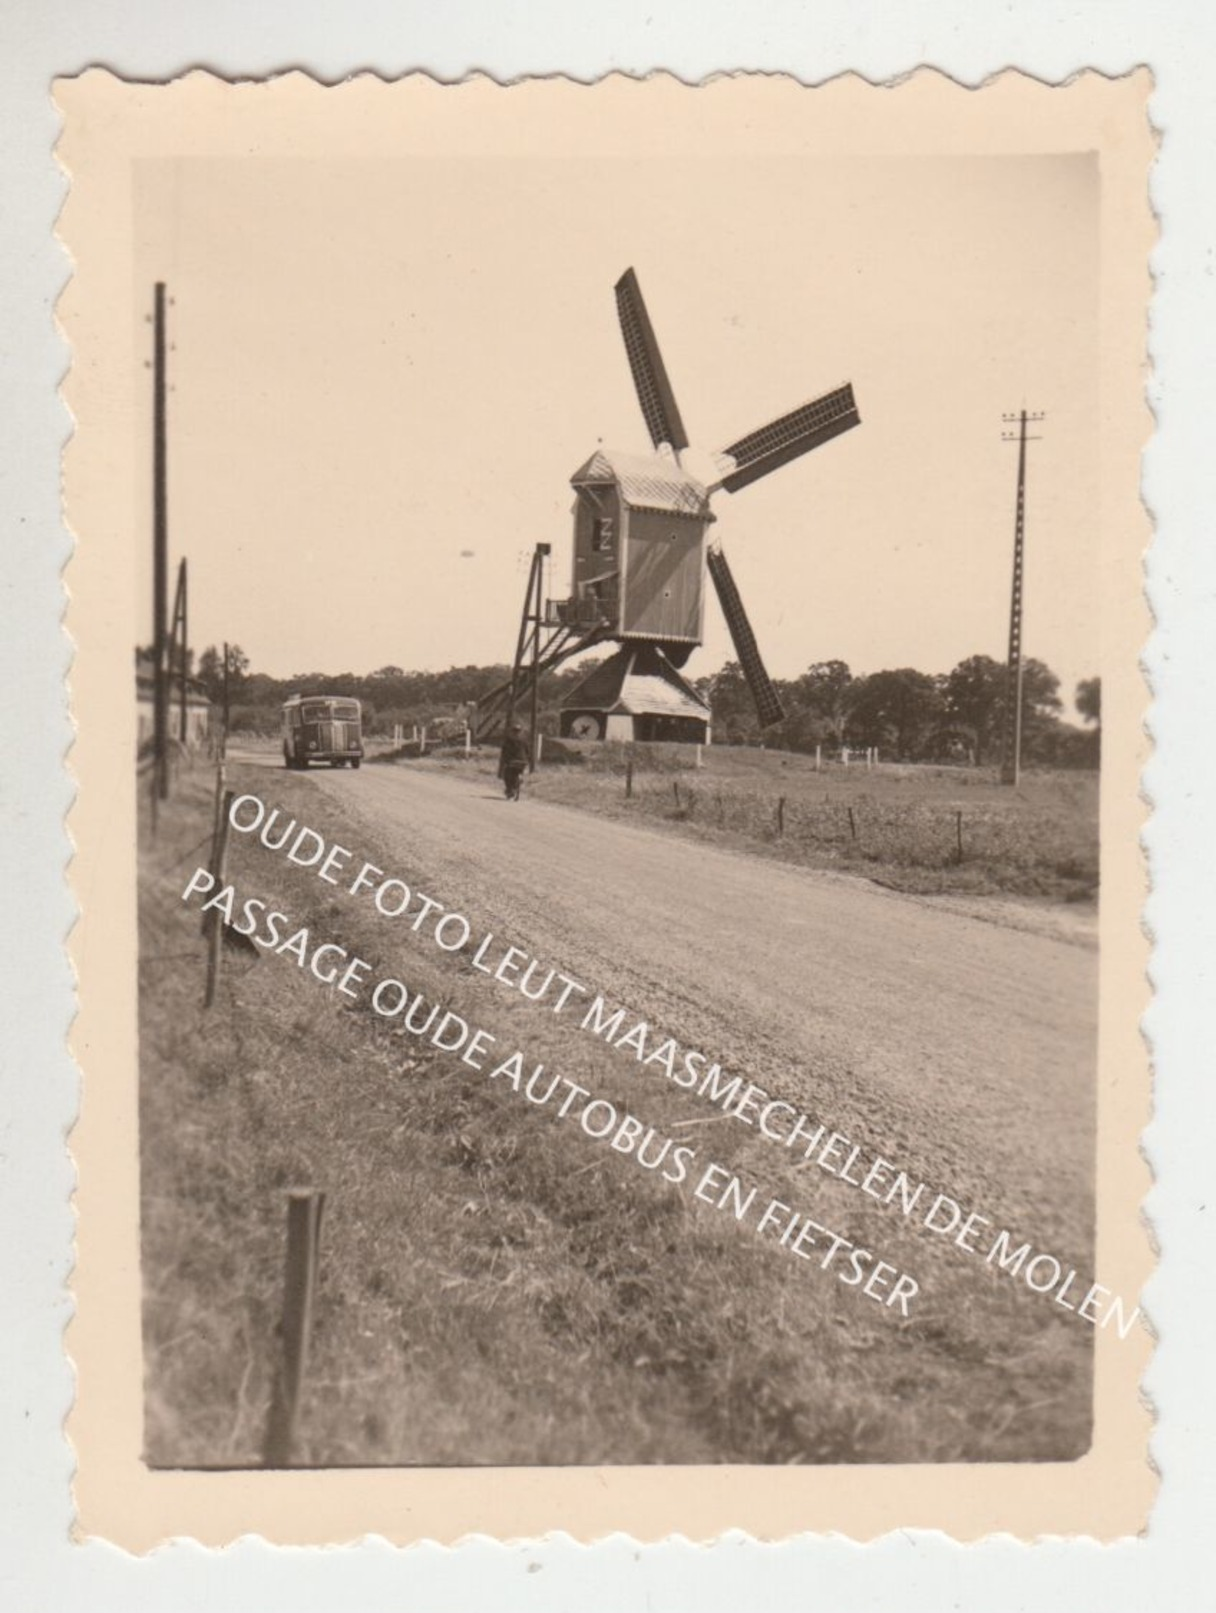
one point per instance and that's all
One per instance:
(540, 647)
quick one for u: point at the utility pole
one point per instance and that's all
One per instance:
(227, 708)
(178, 645)
(160, 556)
(538, 612)
(1011, 761)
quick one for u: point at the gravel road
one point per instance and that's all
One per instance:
(958, 1047)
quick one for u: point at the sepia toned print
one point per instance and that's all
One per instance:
(597, 954)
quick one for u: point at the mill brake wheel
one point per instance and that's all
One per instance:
(586, 726)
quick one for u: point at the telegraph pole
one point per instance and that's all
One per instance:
(538, 612)
(1011, 761)
(160, 556)
(178, 644)
(227, 708)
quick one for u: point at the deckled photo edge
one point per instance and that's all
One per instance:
(81, 759)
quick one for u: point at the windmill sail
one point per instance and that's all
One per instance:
(646, 362)
(781, 440)
(768, 707)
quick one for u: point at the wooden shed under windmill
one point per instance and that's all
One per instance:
(636, 694)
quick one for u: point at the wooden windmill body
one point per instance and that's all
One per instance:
(641, 550)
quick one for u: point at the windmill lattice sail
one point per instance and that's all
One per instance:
(768, 706)
(786, 438)
(641, 546)
(658, 402)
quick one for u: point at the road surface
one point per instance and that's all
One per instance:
(961, 1048)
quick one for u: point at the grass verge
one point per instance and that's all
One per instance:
(926, 830)
(496, 1287)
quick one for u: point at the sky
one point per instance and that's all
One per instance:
(385, 371)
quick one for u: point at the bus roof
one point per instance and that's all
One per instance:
(299, 699)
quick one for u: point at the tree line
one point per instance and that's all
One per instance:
(908, 714)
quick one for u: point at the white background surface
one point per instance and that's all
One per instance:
(39, 1568)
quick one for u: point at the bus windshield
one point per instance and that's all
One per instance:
(329, 711)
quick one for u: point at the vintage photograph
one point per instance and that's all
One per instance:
(616, 655)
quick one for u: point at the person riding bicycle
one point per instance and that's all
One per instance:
(513, 762)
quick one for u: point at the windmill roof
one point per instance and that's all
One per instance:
(646, 481)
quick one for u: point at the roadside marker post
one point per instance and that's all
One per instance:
(304, 1209)
(215, 935)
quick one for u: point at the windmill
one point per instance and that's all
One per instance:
(642, 547)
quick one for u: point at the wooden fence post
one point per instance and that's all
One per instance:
(958, 833)
(780, 814)
(675, 790)
(217, 813)
(818, 758)
(218, 810)
(304, 1209)
(852, 824)
(215, 935)
(629, 779)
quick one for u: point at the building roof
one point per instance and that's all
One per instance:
(638, 680)
(647, 482)
(647, 695)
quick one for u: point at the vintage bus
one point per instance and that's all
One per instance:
(322, 728)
